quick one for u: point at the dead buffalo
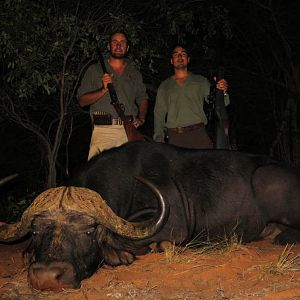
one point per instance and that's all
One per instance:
(163, 193)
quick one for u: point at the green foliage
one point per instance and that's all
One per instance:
(15, 206)
(35, 38)
(43, 53)
(192, 21)
(45, 47)
(34, 41)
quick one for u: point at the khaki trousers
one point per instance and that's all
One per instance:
(105, 137)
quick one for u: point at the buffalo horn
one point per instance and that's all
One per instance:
(140, 230)
(8, 178)
(82, 200)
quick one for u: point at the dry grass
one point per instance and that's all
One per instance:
(287, 262)
(196, 247)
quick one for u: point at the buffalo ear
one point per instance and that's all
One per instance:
(108, 243)
(101, 234)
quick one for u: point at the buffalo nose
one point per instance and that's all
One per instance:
(54, 276)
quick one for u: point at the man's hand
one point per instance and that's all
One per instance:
(137, 122)
(222, 85)
(106, 79)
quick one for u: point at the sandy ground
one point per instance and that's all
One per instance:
(259, 270)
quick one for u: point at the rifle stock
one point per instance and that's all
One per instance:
(132, 133)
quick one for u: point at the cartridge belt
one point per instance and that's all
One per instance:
(103, 118)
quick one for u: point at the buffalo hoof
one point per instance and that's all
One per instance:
(271, 231)
(288, 236)
(116, 257)
(161, 247)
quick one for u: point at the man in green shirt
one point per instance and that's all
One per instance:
(131, 92)
(179, 105)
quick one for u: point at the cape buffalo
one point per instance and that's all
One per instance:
(164, 193)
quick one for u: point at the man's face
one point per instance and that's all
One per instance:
(180, 58)
(118, 46)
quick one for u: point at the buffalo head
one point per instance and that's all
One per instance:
(73, 232)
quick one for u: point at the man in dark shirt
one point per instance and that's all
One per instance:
(179, 105)
(131, 92)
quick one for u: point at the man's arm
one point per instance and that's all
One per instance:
(94, 96)
(141, 99)
(91, 97)
(160, 111)
(141, 117)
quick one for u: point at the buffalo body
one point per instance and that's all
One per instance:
(210, 194)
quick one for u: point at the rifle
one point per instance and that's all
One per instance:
(217, 115)
(210, 112)
(222, 137)
(222, 120)
(132, 133)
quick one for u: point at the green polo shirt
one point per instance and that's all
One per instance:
(129, 87)
(180, 106)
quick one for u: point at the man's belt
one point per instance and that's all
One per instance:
(103, 118)
(187, 128)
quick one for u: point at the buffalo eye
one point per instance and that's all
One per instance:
(36, 233)
(90, 231)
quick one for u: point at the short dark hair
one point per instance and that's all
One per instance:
(178, 45)
(120, 32)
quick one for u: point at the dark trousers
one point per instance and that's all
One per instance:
(194, 139)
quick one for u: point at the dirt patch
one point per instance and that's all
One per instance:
(258, 270)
